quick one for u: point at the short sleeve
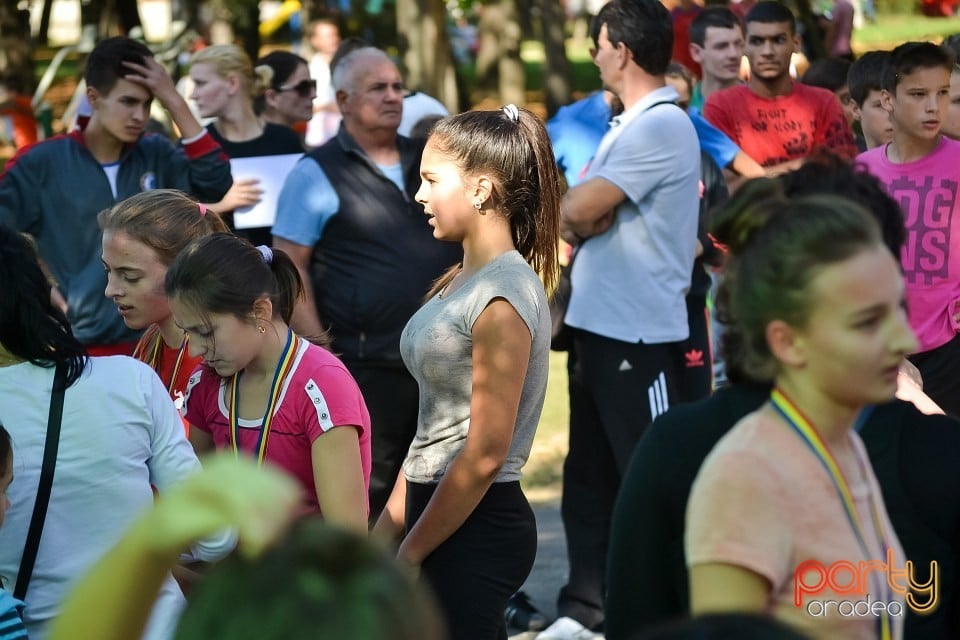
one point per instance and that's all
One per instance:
(715, 111)
(306, 203)
(197, 398)
(11, 612)
(517, 290)
(738, 515)
(330, 398)
(647, 153)
(715, 142)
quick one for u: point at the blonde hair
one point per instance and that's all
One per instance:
(229, 58)
(166, 220)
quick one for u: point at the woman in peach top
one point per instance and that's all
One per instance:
(789, 491)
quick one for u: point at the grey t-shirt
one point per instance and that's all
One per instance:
(437, 347)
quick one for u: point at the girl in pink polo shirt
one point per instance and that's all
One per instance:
(262, 390)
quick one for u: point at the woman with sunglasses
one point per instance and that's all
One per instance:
(225, 86)
(288, 100)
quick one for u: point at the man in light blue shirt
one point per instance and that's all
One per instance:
(635, 216)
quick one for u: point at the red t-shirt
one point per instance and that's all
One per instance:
(776, 130)
(166, 364)
(681, 37)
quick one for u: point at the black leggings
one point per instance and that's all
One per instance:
(483, 563)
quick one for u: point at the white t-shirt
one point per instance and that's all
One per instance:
(119, 433)
(416, 106)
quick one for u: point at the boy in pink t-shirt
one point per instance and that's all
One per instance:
(920, 170)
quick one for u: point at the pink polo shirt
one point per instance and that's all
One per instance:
(319, 394)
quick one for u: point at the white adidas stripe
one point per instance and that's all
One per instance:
(657, 395)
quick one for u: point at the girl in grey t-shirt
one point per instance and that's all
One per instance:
(479, 350)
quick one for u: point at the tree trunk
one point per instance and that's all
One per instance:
(426, 53)
(43, 33)
(127, 15)
(188, 11)
(499, 55)
(813, 34)
(16, 53)
(248, 30)
(556, 72)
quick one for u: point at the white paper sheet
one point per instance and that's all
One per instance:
(271, 171)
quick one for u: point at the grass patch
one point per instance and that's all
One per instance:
(544, 469)
(891, 30)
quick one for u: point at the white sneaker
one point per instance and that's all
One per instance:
(565, 628)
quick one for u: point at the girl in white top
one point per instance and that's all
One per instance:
(119, 434)
(478, 349)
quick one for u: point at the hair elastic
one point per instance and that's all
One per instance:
(203, 209)
(512, 112)
(266, 253)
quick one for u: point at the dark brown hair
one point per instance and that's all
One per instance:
(518, 155)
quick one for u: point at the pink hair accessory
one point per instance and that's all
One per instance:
(203, 209)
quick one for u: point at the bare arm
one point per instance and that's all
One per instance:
(338, 478)
(243, 193)
(501, 351)
(201, 441)
(726, 588)
(305, 319)
(745, 166)
(587, 209)
(393, 518)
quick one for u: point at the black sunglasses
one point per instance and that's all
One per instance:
(304, 88)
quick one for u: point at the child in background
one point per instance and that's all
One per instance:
(951, 125)
(831, 74)
(863, 81)
(11, 622)
(225, 87)
(55, 189)
(919, 169)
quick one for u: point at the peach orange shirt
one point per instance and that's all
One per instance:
(764, 502)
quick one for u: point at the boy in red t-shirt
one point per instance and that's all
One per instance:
(775, 120)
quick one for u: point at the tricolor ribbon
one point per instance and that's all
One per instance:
(155, 356)
(284, 366)
(797, 421)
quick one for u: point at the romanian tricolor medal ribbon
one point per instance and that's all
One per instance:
(804, 428)
(284, 366)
